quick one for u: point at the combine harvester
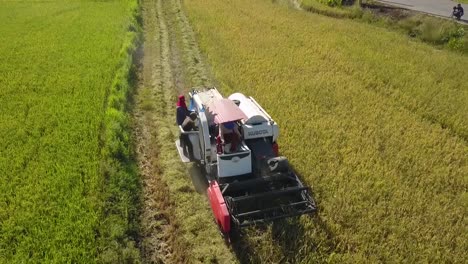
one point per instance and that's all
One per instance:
(252, 184)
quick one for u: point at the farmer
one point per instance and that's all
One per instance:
(181, 114)
(189, 122)
(188, 125)
(458, 11)
(461, 12)
(229, 134)
(181, 110)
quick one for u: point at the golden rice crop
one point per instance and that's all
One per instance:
(376, 123)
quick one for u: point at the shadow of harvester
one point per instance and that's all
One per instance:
(282, 241)
(302, 238)
(199, 180)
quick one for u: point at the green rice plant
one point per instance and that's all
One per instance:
(330, 8)
(410, 24)
(331, 2)
(374, 122)
(459, 44)
(59, 62)
(369, 17)
(434, 30)
(121, 187)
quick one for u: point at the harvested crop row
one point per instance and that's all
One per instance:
(184, 232)
(378, 133)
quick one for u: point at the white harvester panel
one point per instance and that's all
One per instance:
(258, 123)
(235, 164)
(194, 139)
(205, 98)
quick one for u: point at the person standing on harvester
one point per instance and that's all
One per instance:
(189, 125)
(229, 134)
(182, 112)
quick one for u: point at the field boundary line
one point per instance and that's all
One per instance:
(120, 185)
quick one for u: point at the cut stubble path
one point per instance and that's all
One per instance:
(177, 223)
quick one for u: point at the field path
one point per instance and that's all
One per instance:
(156, 213)
(176, 221)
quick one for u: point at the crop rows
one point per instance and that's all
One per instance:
(57, 67)
(374, 122)
(177, 223)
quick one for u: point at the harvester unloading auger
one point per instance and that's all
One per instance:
(251, 184)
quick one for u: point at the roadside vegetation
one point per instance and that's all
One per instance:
(440, 32)
(374, 122)
(68, 191)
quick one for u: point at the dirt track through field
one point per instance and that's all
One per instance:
(155, 220)
(168, 64)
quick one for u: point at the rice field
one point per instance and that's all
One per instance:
(376, 123)
(58, 64)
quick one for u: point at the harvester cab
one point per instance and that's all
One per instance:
(249, 184)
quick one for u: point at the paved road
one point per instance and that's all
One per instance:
(441, 8)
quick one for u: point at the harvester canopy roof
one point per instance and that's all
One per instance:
(225, 110)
